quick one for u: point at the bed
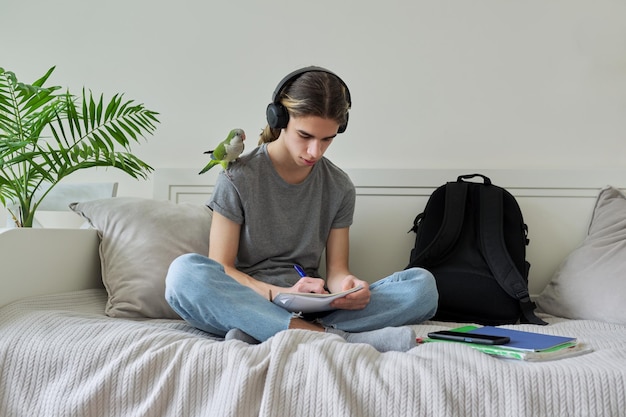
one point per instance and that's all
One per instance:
(85, 331)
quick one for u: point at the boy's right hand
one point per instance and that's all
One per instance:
(310, 285)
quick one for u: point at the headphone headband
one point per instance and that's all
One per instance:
(277, 115)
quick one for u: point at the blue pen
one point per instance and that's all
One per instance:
(300, 271)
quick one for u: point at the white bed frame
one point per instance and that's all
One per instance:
(47, 261)
(557, 206)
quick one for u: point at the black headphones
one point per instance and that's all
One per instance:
(278, 116)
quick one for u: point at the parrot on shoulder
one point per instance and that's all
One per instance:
(227, 151)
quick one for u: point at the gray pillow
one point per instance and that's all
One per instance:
(139, 240)
(591, 282)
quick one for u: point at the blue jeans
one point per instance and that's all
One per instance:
(203, 295)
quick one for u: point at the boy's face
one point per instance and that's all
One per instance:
(308, 137)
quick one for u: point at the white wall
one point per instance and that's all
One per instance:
(435, 84)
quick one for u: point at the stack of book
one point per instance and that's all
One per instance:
(527, 346)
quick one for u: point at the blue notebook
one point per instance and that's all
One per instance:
(528, 341)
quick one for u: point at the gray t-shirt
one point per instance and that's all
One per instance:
(282, 224)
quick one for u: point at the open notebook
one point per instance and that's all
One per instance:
(309, 302)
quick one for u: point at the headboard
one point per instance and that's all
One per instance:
(556, 205)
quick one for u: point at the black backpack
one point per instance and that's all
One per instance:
(472, 238)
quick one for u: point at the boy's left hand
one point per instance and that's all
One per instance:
(357, 300)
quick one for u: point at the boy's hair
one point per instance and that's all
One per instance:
(313, 93)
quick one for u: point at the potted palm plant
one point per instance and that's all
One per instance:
(47, 134)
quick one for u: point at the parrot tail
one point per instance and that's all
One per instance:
(208, 167)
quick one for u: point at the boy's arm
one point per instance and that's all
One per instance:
(338, 275)
(223, 248)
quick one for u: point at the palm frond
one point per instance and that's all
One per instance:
(46, 135)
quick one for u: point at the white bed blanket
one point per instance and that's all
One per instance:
(61, 356)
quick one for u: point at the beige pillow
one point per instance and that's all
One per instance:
(139, 240)
(591, 282)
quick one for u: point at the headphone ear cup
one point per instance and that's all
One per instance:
(277, 116)
(344, 126)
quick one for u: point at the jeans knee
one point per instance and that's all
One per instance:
(175, 272)
(425, 291)
(185, 271)
(428, 283)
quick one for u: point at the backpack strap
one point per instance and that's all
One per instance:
(449, 230)
(496, 254)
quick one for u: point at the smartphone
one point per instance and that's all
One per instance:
(481, 339)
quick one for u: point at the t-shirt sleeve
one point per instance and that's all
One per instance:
(345, 215)
(226, 199)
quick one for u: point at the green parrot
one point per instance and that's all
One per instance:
(227, 151)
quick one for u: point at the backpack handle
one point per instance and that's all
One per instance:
(486, 180)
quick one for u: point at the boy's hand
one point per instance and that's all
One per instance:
(357, 300)
(310, 285)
